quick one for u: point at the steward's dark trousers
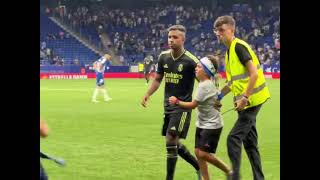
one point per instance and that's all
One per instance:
(244, 131)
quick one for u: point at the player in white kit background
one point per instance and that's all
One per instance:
(99, 67)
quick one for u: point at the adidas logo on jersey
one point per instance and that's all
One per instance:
(165, 66)
(173, 128)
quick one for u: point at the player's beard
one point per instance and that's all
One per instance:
(177, 51)
(176, 48)
(172, 46)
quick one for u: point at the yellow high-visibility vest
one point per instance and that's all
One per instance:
(238, 76)
(140, 67)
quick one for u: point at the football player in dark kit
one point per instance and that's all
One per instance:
(148, 67)
(177, 67)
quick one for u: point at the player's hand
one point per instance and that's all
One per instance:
(43, 128)
(241, 103)
(217, 105)
(172, 100)
(144, 101)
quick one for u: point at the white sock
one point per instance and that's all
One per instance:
(95, 93)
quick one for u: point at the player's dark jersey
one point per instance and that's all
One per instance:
(147, 67)
(147, 64)
(179, 76)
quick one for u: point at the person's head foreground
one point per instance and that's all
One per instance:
(176, 36)
(224, 28)
(207, 67)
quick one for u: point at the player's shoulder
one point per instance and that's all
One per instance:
(164, 53)
(191, 57)
(241, 43)
(238, 40)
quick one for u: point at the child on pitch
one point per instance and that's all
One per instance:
(99, 66)
(209, 120)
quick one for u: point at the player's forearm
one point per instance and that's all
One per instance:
(187, 105)
(155, 85)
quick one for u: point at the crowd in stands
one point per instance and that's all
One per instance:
(140, 32)
(47, 55)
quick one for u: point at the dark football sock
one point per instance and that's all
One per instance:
(186, 155)
(172, 156)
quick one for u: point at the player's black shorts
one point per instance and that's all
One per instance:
(207, 139)
(99, 79)
(177, 124)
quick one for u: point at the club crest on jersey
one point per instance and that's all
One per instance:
(180, 67)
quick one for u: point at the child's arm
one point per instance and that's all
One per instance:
(188, 105)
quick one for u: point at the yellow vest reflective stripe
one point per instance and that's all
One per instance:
(238, 77)
(255, 90)
(242, 76)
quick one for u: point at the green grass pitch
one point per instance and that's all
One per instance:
(121, 140)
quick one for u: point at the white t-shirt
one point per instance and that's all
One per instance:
(208, 117)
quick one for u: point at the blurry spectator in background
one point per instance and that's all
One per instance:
(43, 45)
(42, 55)
(55, 60)
(121, 59)
(61, 34)
(276, 67)
(76, 61)
(48, 53)
(277, 43)
(61, 62)
(100, 29)
(48, 11)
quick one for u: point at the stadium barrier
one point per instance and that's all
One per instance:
(80, 72)
(119, 75)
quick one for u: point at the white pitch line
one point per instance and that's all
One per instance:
(47, 89)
